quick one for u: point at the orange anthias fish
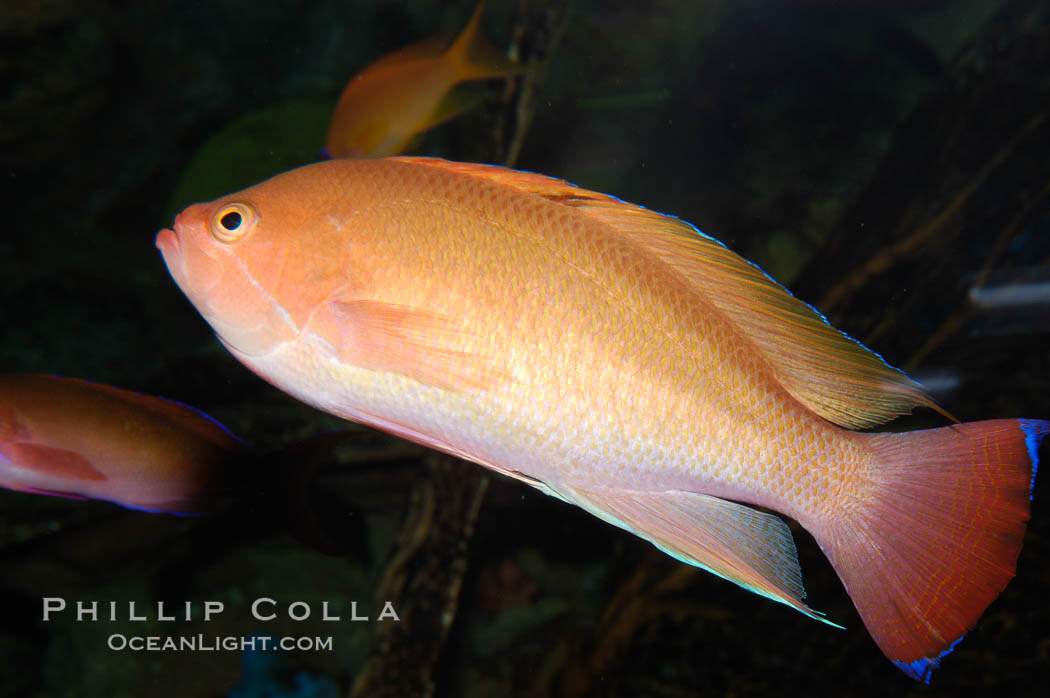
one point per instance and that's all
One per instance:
(385, 106)
(72, 438)
(621, 361)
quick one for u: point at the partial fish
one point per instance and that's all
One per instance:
(385, 106)
(619, 360)
(72, 438)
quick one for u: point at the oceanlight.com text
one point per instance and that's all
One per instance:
(216, 643)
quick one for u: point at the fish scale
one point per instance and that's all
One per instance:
(664, 372)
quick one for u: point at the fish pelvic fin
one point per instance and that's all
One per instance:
(472, 57)
(934, 541)
(743, 545)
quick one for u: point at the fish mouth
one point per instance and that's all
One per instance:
(195, 270)
(168, 243)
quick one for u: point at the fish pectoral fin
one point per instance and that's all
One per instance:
(422, 345)
(51, 461)
(743, 545)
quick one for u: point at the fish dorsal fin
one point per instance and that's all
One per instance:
(826, 370)
(823, 368)
(745, 546)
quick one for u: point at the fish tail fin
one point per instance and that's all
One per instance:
(474, 58)
(936, 539)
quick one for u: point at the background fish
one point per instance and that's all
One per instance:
(72, 438)
(411, 90)
(619, 360)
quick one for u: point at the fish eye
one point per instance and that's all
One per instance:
(233, 221)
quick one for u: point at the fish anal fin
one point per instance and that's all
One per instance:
(743, 545)
(422, 345)
(51, 461)
(824, 369)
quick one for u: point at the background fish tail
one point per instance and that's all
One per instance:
(928, 548)
(474, 58)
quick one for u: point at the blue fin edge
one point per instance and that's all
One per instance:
(1034, 432)
(149, 510)
(922, 669)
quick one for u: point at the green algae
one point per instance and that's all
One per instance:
(251, 148)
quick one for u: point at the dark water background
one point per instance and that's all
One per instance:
(886, 160)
